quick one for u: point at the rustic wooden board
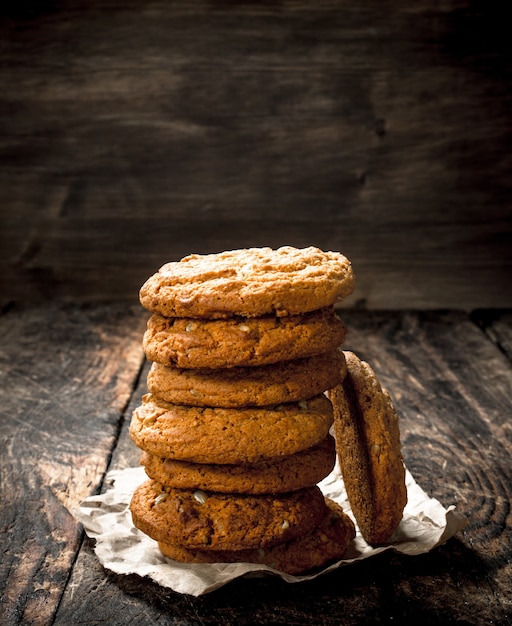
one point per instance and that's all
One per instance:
(66, 375)
(133, 134)
(452, 387)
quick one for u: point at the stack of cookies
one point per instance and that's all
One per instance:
(235, 429)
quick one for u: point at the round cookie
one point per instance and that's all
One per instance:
(249, 282)
(303, 469)
(325, 544)
(236, 342)
(288, 381)
(368, 445)
(212, 521)
(232, 436)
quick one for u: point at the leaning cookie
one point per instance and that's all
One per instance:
(327, 543)
(211, 521)
(249, 282)
(289, 381)
(237, 342)
(218, 435)
(369, 451)
(303, 469)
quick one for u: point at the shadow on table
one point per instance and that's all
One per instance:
(451, 584)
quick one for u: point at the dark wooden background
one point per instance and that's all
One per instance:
(133, 133)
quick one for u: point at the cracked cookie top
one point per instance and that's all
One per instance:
(249, 282)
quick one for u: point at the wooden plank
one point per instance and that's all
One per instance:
(452, 388)
(66, 376)
(61, 262)
(132, 132)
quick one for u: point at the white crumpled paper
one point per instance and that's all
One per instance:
(123, 549)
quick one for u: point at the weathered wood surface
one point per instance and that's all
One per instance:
(66, 375)
(69, 382)
(498, 326)
(134, 133)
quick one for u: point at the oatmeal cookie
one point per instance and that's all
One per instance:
(232, 436)
(325, 544)
(212, 521)
(369, 451)
(287, 381)
(249, 282)
(302, 469)
(236, 342)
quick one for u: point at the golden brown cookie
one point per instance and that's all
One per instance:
(218, 435)
(188, 343)
(212, 521)
(325, 544)
(303, 469)
(250, 282)
(287, 381)
(369, 451)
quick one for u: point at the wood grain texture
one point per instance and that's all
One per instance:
(66, 376)
(132, 135)
(452, 387)
(497, 325)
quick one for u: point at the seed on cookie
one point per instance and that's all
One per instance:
(200, 496)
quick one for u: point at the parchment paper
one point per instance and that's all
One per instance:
(123, 549)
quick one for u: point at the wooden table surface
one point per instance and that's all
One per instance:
(70, 377)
